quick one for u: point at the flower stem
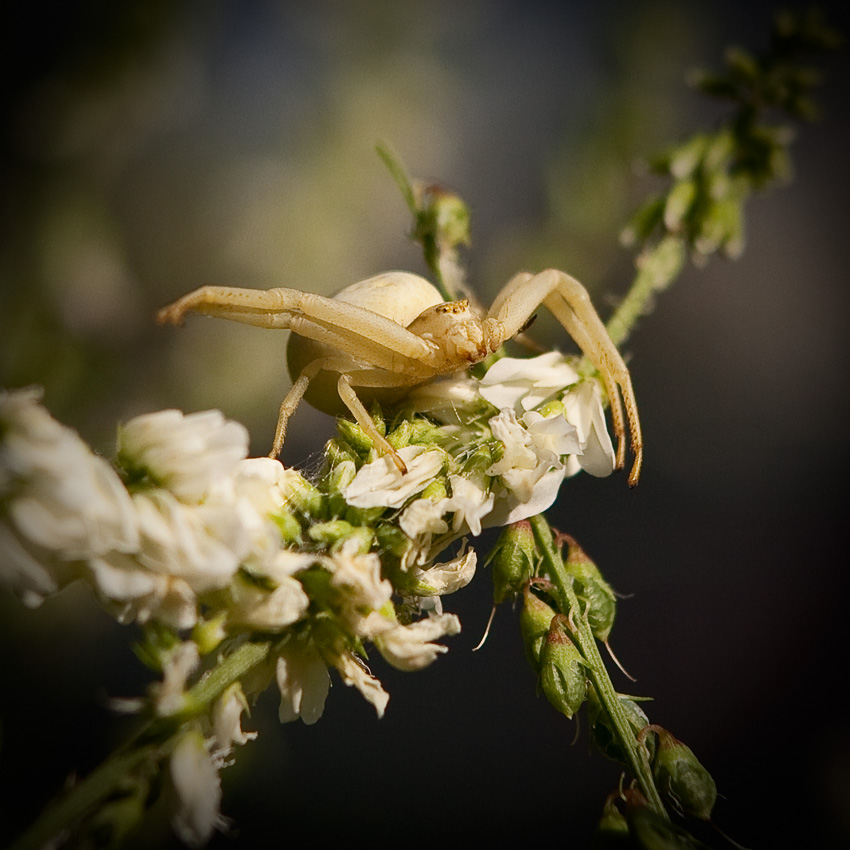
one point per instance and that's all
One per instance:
(149, 746)
(657, 268)
(597, 672)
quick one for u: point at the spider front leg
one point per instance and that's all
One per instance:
(569, 302)
(345, 331)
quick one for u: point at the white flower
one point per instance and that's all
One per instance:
(353, 673)
(21, 572)
(270, 610)
(204, 544)
(552, 436)
(358, 576)
(524, 383)
(138, 595)
(59, 495)
(447, 577)
(469, 502)
(185, 454)
(382, 484)
(179, 664)
(519, 468)
(583, 408)
(263, 481)
(227, 719)
(303, 680)
(532, 467)
(509, 508)
(423, 516)
(194, 773)
(410, 648)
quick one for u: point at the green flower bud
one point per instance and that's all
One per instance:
(339, 476)
(682, 778)
(612, 831)
(393, 540)
(436, 490)
(444, 216)
(603, 733)
(641, 225)
(302, 497)
(479, 461)
(687, 157)
(721, 227)
(425, 433)
(400, 436)
(743, 65)
(353, 436)
(680, 202)
(290, 528)
(117, 820)
(562, 676)
(599, 600)
(513, 560)
(208, 634)
(651, 831)
(336, 452)
(534, 621)
(336, 532)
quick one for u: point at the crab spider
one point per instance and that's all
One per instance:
(394, 331)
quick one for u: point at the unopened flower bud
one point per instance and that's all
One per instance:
(399, 437)
(682, 778)
(336, 532)
(300, 495)
(612, 831)
(534, 621)
(641, 225)
(513, 560)
(444, 216)
(208, 634)
(289, 527)
(354, 437)
(651, 831)
(562, 676)
(679, 204)
(436, 490)
(599, 599)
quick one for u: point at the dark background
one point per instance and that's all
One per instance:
(150, 148)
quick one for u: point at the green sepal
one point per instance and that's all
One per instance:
(562, 670)
(156, 645)
(612, 831)
(535, 617)
(600, 602)
(650, 830)
(208, 634)
(353, 437)
(679, 774)
(513, 560)
(290, 528)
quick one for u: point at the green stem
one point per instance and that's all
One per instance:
(657, 269)
(598, 673)
(148, 746)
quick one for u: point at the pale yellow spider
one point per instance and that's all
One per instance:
(394, 331)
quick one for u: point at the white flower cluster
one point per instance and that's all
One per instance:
(190, 539)
(187, 532)
(550, 425)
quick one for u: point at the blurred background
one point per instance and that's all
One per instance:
(149, 148)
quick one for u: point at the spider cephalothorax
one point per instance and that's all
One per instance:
(394, 331)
